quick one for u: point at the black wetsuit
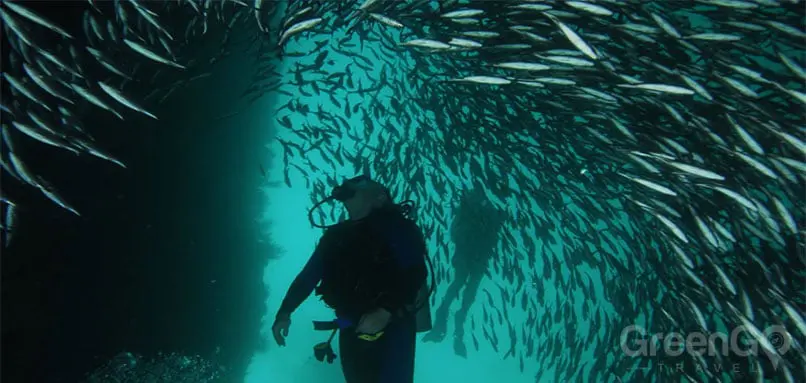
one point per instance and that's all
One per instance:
(378, 261)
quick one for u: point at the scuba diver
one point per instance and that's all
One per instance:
(371, 269)
(474, 231)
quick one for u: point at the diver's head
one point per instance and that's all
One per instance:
(368, 195)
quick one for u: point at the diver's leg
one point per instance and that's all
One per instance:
(347, 354)
(468, 297)
(358, 361)
(437, 334)
(397, 352)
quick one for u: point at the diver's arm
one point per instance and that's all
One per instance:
(304, 283)
(409, 274)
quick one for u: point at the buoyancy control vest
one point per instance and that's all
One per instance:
(356, 260)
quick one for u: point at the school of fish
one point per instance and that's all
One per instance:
(650, 154)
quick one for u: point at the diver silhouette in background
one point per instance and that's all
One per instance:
(475, 230)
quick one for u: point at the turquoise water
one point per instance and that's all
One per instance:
(587, 263)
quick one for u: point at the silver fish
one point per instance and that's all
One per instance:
(298, 28)
(590, 8)
(465, 43)
(573, 61)
(463, 13)
(713, 37)
(42, 137)
(28, 14)
(484, 80)
(426, 43)
(114, 93)
(16, 28)
(38, 79)
(386, 20)
(652, 185)
(662, 88)
(696, 171)
(672, 227)
(50, 192)
(19, 87)
(523, 66)
(22, 170)
(90, 147)
(575, 39)
(150, 54)
(87, 95)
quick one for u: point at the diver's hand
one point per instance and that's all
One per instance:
(280, 327)
(374, 321)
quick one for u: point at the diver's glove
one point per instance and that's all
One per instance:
(280, 327)
(324, 351)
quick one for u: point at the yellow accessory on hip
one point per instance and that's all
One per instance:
(370, 337)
